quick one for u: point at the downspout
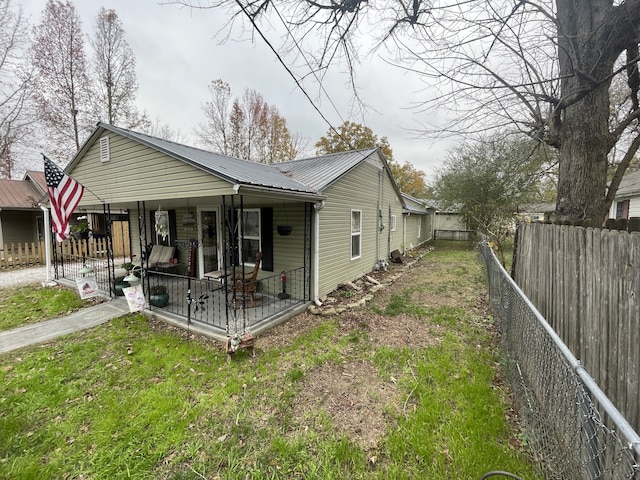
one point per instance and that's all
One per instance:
(316, 251)
(47, 241)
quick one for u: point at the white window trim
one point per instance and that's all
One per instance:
(392, 221)
(419, 227)
(246, 237)
(358, 234)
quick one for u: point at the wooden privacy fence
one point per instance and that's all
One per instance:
(19, 255)
(586, 284)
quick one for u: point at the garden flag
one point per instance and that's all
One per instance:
(65, 194)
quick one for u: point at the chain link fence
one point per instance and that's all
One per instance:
(570, 426)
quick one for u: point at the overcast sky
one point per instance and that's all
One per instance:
(179, 51)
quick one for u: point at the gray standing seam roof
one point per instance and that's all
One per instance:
(320, 172)
(231, 169)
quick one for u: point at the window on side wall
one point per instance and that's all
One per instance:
(419, 227)
(356, 233)
(250, 235)
(393, 223)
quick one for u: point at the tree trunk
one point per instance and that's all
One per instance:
(585, 143)
(585, 64)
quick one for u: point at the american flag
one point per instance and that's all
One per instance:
(65, 194)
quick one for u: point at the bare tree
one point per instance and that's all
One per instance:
(543, 66)
(114, 67)
(15, 79)
(162, 130)
(247, 128)
(62, 93)
(214, 133)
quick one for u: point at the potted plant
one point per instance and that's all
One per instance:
(128, 266)
(80, 230)
(118, 285)
(158, 296)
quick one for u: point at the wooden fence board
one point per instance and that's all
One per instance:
(586, 283)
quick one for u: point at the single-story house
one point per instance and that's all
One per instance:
(627, 200)
(21, 218)
(418, 222)
(317, 223)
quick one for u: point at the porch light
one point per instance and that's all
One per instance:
(131, 278)
(86, 269)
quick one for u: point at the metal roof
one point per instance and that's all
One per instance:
(320, 172)
(233, 170)
(413, 205)
(19, 194)
(38, 179)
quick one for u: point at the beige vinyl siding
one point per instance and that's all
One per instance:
(411, 226)
(137, 171)
(19, 226)
(364, 188)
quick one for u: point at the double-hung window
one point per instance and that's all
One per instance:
(250, 234)
(356, 233)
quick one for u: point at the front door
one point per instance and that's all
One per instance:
(208, 228)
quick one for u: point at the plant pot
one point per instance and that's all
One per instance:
(284, 230)
(81, 235)
(159, 299)
(118, 286)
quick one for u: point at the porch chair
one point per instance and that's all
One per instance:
(242, 290)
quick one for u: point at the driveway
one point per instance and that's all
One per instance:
(23, 276)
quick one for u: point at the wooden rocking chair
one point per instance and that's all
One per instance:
(243, 288)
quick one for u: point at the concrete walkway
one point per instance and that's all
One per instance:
(50, 329)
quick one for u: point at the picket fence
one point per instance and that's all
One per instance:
(586, 283)
(21, 255)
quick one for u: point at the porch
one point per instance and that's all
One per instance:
(201, 304)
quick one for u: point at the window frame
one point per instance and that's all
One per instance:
(357, 234)
(392, 222)
(242, 236)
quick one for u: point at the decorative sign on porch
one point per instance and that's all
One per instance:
(135, 298)
(87, 286)
(162, 223)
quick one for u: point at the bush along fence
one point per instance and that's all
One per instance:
(572, 428)
(20, 255)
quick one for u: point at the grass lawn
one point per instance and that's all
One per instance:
(28, 304)
(407, 387)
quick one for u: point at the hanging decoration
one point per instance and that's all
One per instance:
(162, 223)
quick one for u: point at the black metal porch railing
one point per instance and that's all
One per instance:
(210, 302)
(198, 300)
(70, 267)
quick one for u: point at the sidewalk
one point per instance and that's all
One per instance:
(50, 329)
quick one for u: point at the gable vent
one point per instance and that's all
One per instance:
(104, 149)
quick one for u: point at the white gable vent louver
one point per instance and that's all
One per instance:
(104, 150)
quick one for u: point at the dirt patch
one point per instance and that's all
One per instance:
(360, 404)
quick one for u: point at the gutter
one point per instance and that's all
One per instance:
(316, 252)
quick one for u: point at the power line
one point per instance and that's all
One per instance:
(290, 72)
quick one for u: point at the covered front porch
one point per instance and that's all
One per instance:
(213, 245)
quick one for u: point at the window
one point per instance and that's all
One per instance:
(250, 235)
(392, 222)
(356, 233)
(419, 227)
(622, 209)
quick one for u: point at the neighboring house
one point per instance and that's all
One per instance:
(217, 212)
(418, 222)
(539, 212)
(21, 218)
(626, 203)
